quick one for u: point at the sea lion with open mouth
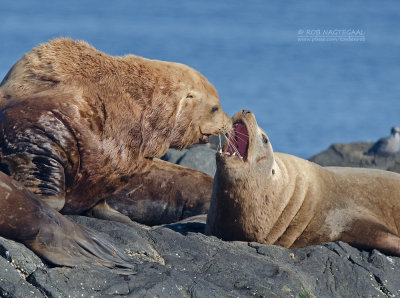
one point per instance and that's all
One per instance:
(280, 199)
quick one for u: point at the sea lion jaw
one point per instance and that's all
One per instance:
(247, 145)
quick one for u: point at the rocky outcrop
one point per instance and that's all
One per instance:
(352, 155)
(198, 157)
(201, 158)
(178, 260)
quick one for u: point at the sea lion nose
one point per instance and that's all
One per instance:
(245, 112)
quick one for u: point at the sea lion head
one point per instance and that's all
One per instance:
(247, 148)
(245, 166)
(149, 104)
(198, 112)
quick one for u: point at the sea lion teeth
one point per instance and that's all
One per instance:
(280, 199)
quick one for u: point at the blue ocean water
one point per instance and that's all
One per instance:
(306, 95)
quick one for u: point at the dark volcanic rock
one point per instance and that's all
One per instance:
(352, 155)
(177, 260)
(201, 158)
(174, 155)
(198, 157)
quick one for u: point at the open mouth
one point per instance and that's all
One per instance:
(238, 141)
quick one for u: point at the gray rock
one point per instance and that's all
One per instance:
(198, 157)
(178, 260)
(174, 155)
(16, 263)
(20, 257)
(201, 158)
(352, 155)
(216, 142)
(13, 283)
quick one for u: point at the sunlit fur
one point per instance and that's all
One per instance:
(143, 102)
(117, 112)
(276, 198)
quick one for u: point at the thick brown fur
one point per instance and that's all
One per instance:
(77, 123)
(280, 199)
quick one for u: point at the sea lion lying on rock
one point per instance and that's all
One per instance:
(77, 125)
(276, 198)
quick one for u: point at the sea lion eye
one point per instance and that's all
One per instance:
(214, 109)
(265, 140)
(189, 96)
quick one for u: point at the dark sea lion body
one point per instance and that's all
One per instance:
(276, 198)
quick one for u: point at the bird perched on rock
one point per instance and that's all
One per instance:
(386, 146)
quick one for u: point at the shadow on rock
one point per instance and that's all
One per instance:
(195, 224)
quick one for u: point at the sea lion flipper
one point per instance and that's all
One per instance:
(70, 244)
(380, 236)
(390, 244)
(25, 218)
(103, 211)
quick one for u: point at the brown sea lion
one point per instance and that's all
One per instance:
(276, 198)
(77, 125)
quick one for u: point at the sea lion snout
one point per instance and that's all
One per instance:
(245, 112)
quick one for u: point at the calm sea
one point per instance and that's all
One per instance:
(314, 72)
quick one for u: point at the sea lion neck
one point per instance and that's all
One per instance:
(237, 200)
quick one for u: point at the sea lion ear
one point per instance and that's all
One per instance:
(189, 95)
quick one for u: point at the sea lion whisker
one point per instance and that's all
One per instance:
(236, 136)
(232, 145)
(241, 139)
(243, 134)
